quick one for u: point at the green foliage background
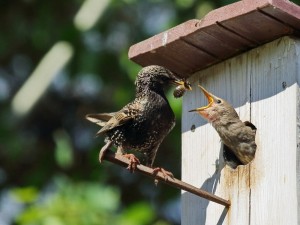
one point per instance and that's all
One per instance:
(49, 170)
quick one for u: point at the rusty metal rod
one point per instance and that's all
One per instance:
(122, 161)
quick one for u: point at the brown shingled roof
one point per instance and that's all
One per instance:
(221, 34)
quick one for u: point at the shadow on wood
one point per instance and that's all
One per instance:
(209, 185)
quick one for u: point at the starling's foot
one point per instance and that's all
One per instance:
(103, 150)
(166, 173)
(133, 162)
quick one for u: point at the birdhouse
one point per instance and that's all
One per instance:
(248, 53)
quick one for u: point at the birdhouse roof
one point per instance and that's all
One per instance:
(221, 34)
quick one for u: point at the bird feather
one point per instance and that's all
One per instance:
(118, 119)
(100, 118)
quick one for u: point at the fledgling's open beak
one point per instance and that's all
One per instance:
(210, 98)
(184, 83)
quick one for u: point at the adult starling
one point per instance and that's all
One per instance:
(238, 137)
(142, 124)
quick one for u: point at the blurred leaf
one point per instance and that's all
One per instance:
(137, 214)
(30, 215)
(161, 223)
(204, 8)
(53, 221)
(63, 150)
(73, 203)
(184, 3)
(122, 96)
(130, 67)
(25, 194)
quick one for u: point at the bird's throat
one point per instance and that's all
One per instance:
(208, 116)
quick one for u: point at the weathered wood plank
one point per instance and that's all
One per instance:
(251, 27)
(274, 86)
(202, 161)
(263, 85)
(221, 34)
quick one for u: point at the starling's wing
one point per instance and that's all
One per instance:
(120, 118)
(251, 125)
(100, 118)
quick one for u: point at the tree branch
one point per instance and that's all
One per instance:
(122, 161)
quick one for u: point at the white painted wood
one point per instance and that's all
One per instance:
(274, 186)
(202, 148)
(267, 190)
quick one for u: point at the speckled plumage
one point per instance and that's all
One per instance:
(142, 124)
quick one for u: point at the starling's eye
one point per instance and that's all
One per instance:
(219, 101)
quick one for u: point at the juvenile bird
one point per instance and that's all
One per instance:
(238, 137)
(142, 124)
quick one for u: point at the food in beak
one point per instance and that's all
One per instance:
(183, 85)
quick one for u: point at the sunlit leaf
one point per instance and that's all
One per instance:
(25, 194)
(63, 150)
(30, 216)
(203, 8)
(184, 3)
(137, 214)
(76, 203)
(130, 67)
(161, 223)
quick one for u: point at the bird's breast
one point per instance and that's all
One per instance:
(149, 127)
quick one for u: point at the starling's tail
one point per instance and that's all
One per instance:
(100, 118)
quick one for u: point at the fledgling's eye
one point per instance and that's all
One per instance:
(219, 101)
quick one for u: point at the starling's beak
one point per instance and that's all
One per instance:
(184, 83)
(210, 98)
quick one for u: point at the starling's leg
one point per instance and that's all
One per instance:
(166, 173)
(150, 159)
(103, 150)
(133, 162)
(120, 150)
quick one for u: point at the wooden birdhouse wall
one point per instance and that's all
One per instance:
(263, 86)
(242, 52)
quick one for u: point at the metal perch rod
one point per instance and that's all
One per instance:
(122, 161)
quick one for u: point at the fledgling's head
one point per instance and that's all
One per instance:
(217, 110)
(155, 78)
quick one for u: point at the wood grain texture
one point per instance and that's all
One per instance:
(203, 164)
(274, 187)
(224, 32)
(262, 85)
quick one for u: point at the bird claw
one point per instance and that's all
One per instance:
(166, 174)
(133, 162)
